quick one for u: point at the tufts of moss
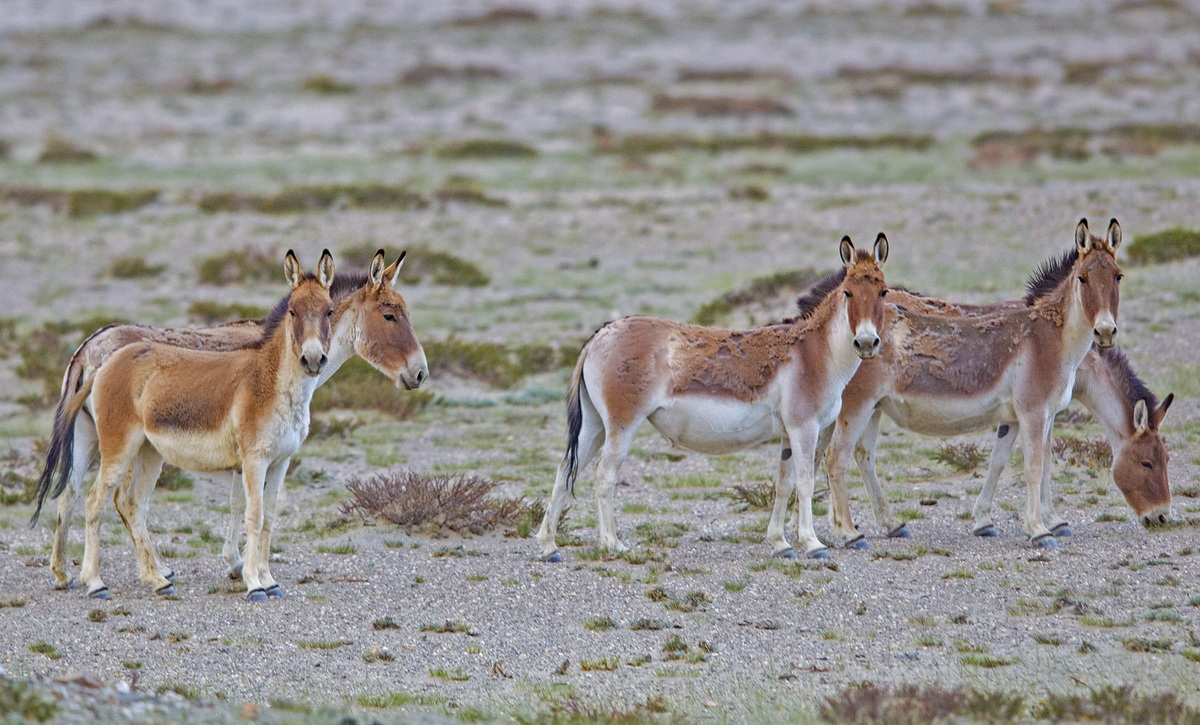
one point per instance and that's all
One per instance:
(90, 202)
(646, 144)
(134, 267)
(58, 149)
(486, 148)
(1165, 246)
(299, 199)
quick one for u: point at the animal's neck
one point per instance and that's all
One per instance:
(834, 330)
(1101, 394)
(1063, 309)
(293, 387)
(342, 340)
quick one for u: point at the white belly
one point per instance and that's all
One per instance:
(716, 425)
(199, 451)
(945, 416)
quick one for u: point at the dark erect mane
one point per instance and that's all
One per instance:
(1049, 275)
(346, 284)
(1135, 389)
(811, 300)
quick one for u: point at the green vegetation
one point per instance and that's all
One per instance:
(1165, 246)
(963, 457)
(134, 267)
(240, 265)
(23, 702)
(300, 199)
(466, 190)
(486, 148)
(757, 291)
(599, 624)
(58, 149)
(326, 85)
(643, 144)
(358, 386)
(209, 312)
(423, 264)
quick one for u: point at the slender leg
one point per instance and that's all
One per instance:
(231, 551)
(254, 473)
(1035, 431)
(273, 484)
(591, 436)
(83, 455)
(1006, 439)
(864, 456)
(112, 473)
(612, 454)
(784, 485)
(851, 424)
(132, 500)
(1057, 525)
(804, 444)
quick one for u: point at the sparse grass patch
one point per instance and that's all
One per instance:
(486, 148)
(1143, 644)
(868, 704)
(344, 548)
(359, 386)
(1108, 518)
(12, 602)
(209, 312)
(963, 457)
(240, 265)
(134, 267)
(958, 574)
(20, 702)
(495, 364)
(321, 643)
(447, 627)
(760, 291)
(45, 648)
(426, 73)
(302, 199)
(1104, 622)
(929, 640)
(326, 85)
(424, 264)
(466, 190)
(398, 699)
(715, 106)
(987, 661)
(428, 503)
(1165, 246)
(1092, 453)
(604, 664)
(58, 149)
(599, 624)
(455, 675)
(1047, 639)
(188, 692)
(647, 143)
(735, 586)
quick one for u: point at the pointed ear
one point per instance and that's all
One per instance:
(1141, 418)
(1083, 237)
(291, 269)
(1114, 234)
(847, 250)
(393, 271)
(1161, 411)
(375, 273)
(881, 248)
(325, 269)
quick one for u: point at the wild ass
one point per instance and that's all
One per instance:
(370, 320)
(1105, 383)
(714, 391)
(208, 411)
(942, 375)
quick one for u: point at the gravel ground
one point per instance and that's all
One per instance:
(586, 238)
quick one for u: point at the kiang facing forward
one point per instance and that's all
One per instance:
(714, 391)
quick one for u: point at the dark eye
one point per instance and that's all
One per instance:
(389, 317)
(883, 293)
(1120, 277)
(847, 293)
(292, 313)
(1148, 464)
(329, 313)
(1082, 280)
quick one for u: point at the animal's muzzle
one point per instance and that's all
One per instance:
(313, 364)
(1157, 517)
(867, 346)
(415, 375)
(1105, 331)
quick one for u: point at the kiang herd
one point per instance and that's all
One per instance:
(236, 398)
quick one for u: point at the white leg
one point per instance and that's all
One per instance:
(82, 456)
(1057, 525)
(112, 473)
(1006, 439)
(273, 485)
(254, 473)
(803, 440)
(784, 485)
(848, 431)
(612, 454)
(132, 500)
(1035, 432)
(591, 436)
(231, 551)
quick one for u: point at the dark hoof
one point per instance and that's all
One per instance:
(553, 557)
(257, 595)
(822, 553)
(988, 531)
(1062, 530)
(1045, 541)
(236, 572)
(275, 591)
(71, 584)
(901, 532)
(101, 593)
(859, 543)
(172, 577)
(788, 553)
(167, 590)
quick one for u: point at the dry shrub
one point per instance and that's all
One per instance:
(466, 190)
(56, 199)
(761, 291)
(58, 149)
(1093, 453)
(486, 148)
(299, 199)
(758, 497)
(750, 192)
(1165, 246)
(889, 81)
(993, 148)
(648, 143)
(240, 265)
(1116, 704)
(432, 503)
(962, 457)
(207, 86)
(915, 705)
(500, 15)
(733, 75)
(426, 73)
(499, 365)
(710, 106)
(423, 264)
(358, 386)
(573, 711)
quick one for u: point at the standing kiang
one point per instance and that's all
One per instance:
(245, 409)
(715, 391)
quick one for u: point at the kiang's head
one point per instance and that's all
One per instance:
(863, 290)
(387, 340)
(310, 311)
(1096, 280)
(1140, 467)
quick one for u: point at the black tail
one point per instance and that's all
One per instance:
(60, 454)
(574, 424)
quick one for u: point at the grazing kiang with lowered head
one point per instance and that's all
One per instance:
(245, 409)
(370, 320)
(714, 391)
(1105, 383)
(941, 374)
